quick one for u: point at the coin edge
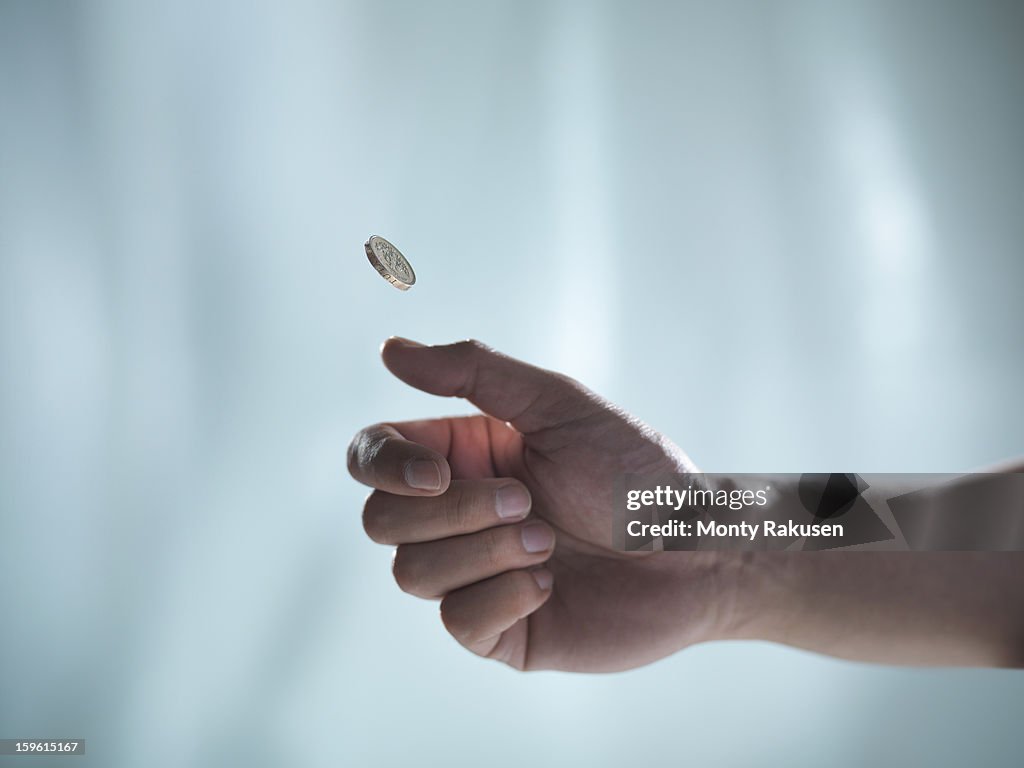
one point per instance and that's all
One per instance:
(382, 270)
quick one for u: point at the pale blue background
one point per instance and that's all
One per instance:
(789, 234)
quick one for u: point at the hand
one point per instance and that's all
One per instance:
(506, 517)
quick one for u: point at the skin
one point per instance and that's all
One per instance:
(537, 584)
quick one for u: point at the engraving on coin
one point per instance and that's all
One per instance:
(390, 262)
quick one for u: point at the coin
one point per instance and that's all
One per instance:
(390, 262)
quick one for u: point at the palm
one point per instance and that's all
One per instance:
(608, 606)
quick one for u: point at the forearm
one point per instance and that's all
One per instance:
(914, 608)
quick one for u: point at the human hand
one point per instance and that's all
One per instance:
(507, 518)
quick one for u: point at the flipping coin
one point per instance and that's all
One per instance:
(390, 263)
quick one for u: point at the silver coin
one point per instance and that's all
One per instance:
(390, 262)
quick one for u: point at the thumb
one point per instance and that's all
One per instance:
(530, 398)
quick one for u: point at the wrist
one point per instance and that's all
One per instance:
(764, 603)
(759, 591)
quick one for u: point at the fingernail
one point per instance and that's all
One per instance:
(405, 342)
(537, 537)
(544, 578)
(423, 474)
(512, 501)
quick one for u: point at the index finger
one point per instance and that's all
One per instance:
(380, 457)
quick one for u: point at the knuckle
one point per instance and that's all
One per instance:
(458, 512)
(455, 622)
(516, 592)
(525, 590)
(375, 520)
(460, 623)
(565, 380)
(571, 388)
(493, 543)
(469, 354)
(470, 348)
(405, 570)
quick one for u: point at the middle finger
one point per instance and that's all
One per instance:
(434, 568)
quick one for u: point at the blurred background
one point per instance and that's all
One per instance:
(787, 234)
